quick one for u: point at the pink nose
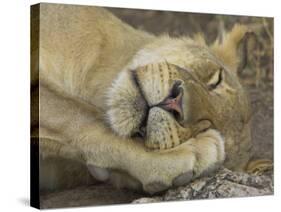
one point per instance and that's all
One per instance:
(173, 104)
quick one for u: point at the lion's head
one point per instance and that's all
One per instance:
(173, 84)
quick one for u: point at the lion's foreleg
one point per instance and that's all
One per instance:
(61, 166)
(156, 170)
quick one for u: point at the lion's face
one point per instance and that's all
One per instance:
(161, 101)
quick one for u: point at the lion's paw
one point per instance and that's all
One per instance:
(121, 179)
(183, 179)
(133, 166)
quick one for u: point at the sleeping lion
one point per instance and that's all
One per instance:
(121, 105)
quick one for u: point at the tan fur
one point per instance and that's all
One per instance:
(226, 50)
(90, 106)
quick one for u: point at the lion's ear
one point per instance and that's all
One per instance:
(235, 47)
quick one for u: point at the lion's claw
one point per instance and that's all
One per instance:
(101, 174)
(155, 187)
(183, 179)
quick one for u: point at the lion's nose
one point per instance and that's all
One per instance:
(173, 103)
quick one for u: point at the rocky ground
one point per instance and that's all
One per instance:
(224, 184)
(259, 84)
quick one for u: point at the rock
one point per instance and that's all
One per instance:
(147, 200)
(224, 183)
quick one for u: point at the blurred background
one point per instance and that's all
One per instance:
(258, 76)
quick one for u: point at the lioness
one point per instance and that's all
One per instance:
(125, 106)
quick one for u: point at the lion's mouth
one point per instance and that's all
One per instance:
(155, 105)
(170, 106)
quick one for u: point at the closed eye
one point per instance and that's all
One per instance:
(215, 80)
